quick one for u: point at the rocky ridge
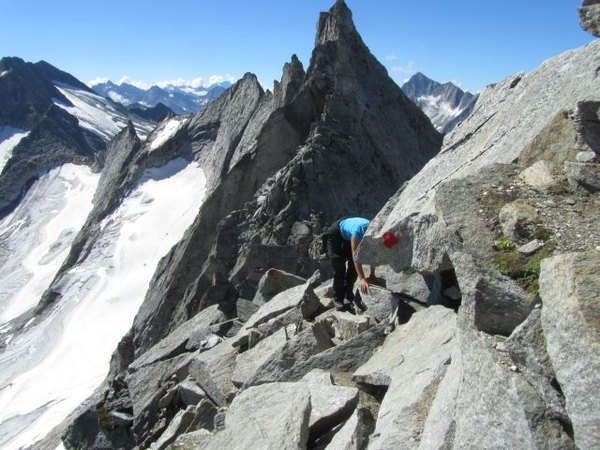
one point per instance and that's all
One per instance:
(467, 344)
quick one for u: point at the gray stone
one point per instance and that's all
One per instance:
(281, 365)
(496, 399)
(583, 175)
(587, 122)
(273, 282)
(190, 393)
(344, 357)
(409, 284)
(191, 439)
(354, 434)
(555, 143)
(330, 404)
(589, 16)
(121, 419)
(531, 247)
(249, 361)
(178, 425)
(302, 297)
(432, 234)
(301, 301)
(478, 391)
(300, 234)
(282, 409)
(274, 415)
(212, 370)
(168, 398)
(527, 349)
(379, 303)
(539, 175)
(176, 342)
(569, 286)
(410, 362)
(147, 386)
(347, 325)
(515, 219)
(586, 157)
(204, 416)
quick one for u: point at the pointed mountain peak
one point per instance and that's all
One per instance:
(335, 24)
(291, 81)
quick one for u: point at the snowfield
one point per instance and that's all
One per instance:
(53, 366)
(97, 115)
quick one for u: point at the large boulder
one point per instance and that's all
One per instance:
(569, 286)
(440, 218)
(270, 416)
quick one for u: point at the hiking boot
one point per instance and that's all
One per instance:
(359, 303)
(339, 305)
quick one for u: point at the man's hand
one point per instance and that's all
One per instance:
(363, 285)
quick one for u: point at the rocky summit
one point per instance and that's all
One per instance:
(481, 327)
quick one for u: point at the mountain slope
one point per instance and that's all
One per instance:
(304, 157)
(64, 120)
(274, 156)
(232, 340)
(446, 105)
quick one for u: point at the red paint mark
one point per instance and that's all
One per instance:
(271, 272)
(389, 239)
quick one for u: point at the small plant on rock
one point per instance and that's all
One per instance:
(492, 200)
(525, 270)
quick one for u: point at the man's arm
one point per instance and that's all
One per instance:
(363, 283)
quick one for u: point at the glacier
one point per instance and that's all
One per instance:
(57, 361)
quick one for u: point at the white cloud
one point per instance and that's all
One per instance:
(137, 84)
(179, 82)
(196, 82)
(220, 78)
(97, 80)
(391, 57)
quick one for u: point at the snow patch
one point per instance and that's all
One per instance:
(9, 139)
(36, 237)
(95, 113)
(168, 131)
(91, 113)
(116, 97)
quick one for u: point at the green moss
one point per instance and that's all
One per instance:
(103, 419)
(525, 270)
(542, 233)
(492, 200)
(504, 244)
(561, 188)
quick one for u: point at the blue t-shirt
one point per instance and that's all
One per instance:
(353, 226)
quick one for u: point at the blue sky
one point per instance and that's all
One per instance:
(472, 43)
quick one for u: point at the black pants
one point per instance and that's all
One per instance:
(342, 263)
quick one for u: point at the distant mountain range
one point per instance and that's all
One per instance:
(446, 105)
(179, 99)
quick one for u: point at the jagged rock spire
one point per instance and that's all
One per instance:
(335, 24)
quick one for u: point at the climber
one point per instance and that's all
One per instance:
(342, 239)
